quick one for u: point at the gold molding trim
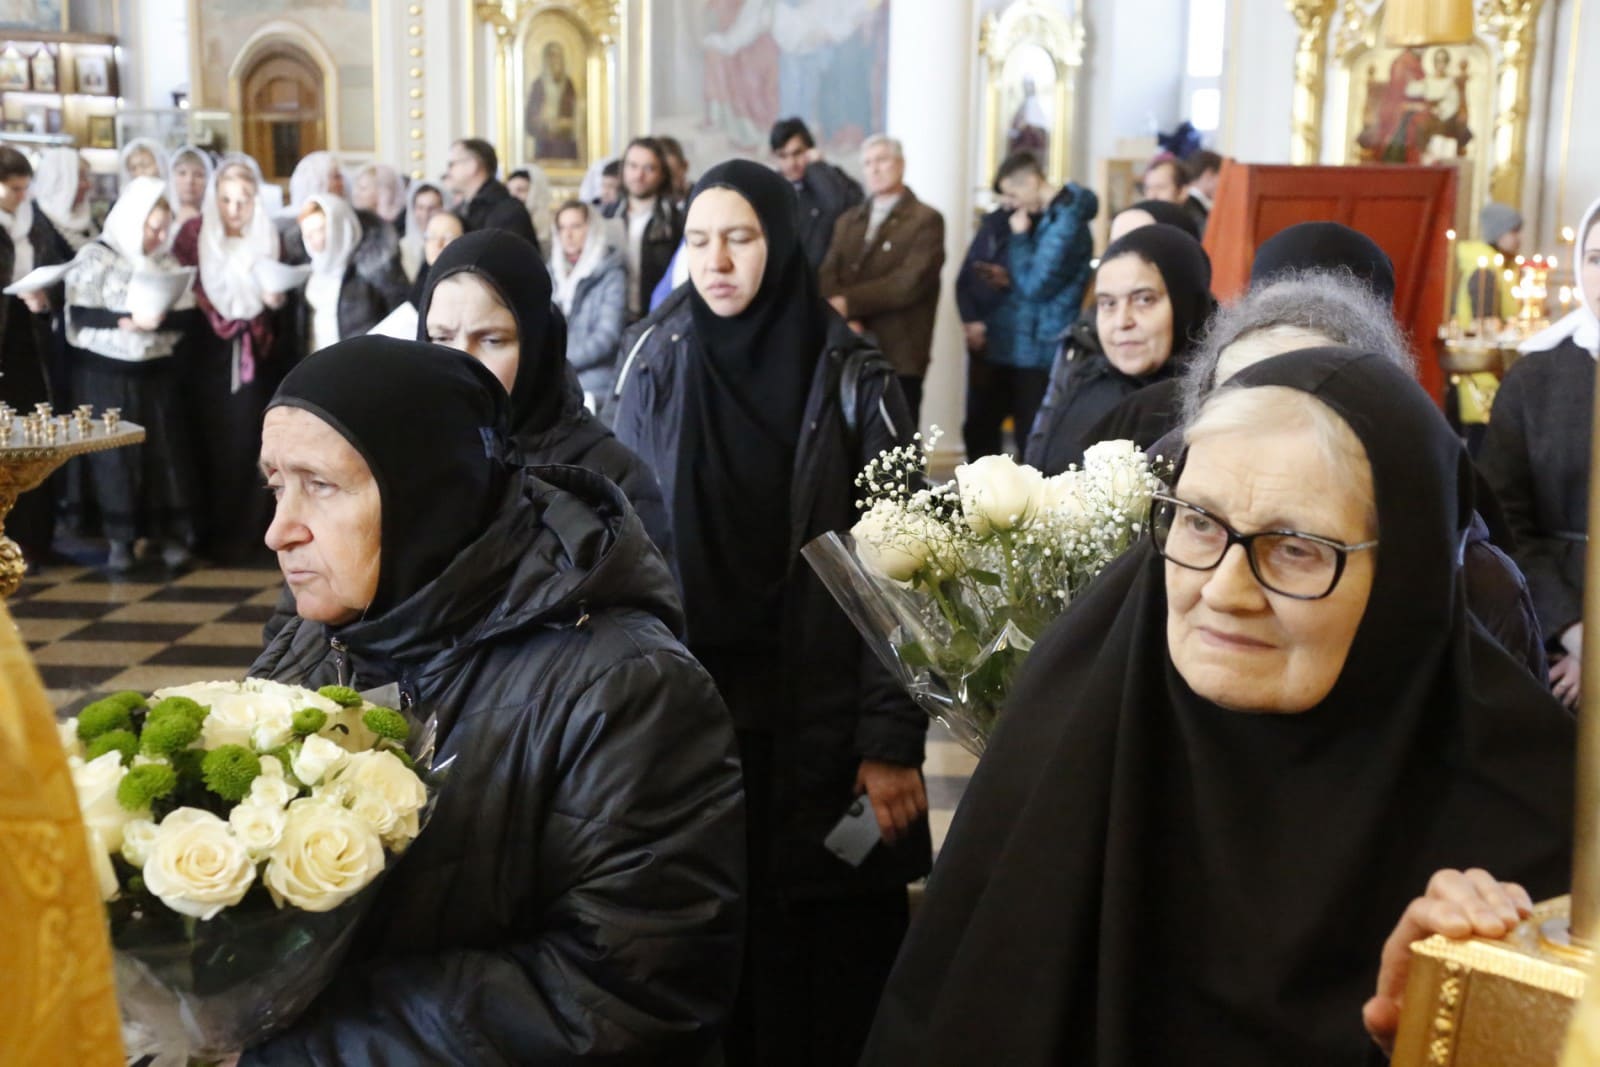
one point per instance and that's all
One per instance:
(1513, 24)
(510, 21)
(1035, 23)
(1310, 78)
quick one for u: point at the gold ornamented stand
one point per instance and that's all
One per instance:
(32, 447)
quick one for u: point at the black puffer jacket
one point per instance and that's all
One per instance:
(1084, 388)
(374, 282)
(577, 896)
(836, 705)
(579, 439)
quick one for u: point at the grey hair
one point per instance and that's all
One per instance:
(1331, 303)
(877, 139)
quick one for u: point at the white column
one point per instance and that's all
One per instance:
(932, 55)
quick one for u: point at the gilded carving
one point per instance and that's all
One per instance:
(1310, 65)
(1031, 55)
(59, 1005)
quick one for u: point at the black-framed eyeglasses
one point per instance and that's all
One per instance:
(1297, 565)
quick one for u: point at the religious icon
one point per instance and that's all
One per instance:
(555, 113)
(1417, 114)
(14, 70)
(1027, 85)
(552, 114)
(44, 71)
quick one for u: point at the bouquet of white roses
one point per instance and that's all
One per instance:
(951, 585)
(237, 828)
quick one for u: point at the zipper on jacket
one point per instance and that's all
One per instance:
(340, 663)
(408, 696)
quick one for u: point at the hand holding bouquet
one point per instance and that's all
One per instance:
(951, 585)
(234, 827)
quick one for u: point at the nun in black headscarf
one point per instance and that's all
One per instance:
(1327, 246)
(1151, 213)
(577, 895)
(1152, 415)
(758, 406)
(1152, 299)
(1227, 770)
(488, 295)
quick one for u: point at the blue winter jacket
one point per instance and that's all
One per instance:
(1049, 269)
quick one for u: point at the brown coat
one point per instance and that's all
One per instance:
(892, 288)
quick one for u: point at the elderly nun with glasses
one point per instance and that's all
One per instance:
(1259, 739)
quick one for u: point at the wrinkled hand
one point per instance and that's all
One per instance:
(37, 301)
(977, 336)
(897, 794)
(840, 304)
(1459, 905)
(274, 300)
(1021, 223)
(1566, 677)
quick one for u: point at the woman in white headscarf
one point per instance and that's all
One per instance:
(380, 189)
(232, 370)
(356, 278)
(61, 190)
(127, 344)
(317, 173)
(142, 157)
(1536, 458)
(423, 202)
(191, 173)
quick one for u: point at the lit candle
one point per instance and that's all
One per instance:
(1551, 263)
(1567, 235)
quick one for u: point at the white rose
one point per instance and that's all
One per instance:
(372, 809)
(96, 783)
(137, 837)
(326, 856)
(100, 859)
(69, 737)
(196, 866)
(883, 546)
(258, 826)
(231, 721)
(1063, 495)
(997, 493)
(316, 758)
(270, 786)
(1109, 453)
(383, 773)
(274, 728)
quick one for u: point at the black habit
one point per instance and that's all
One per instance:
(1138, 876)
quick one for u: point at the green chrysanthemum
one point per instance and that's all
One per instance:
(229, 770)
(102, 717)
(341, 695)
(169, 734)
(122, 741)
(387, 723)
(309, 721)
(146, 784)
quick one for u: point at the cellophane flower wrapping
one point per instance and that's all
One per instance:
(240, 830)
(951, 585)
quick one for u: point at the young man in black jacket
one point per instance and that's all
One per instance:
(825, 192)
(652, 225)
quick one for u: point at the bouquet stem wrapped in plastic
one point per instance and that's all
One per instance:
(951, 586)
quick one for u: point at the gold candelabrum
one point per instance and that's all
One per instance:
(32, 446)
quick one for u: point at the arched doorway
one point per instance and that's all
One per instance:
(284, 116)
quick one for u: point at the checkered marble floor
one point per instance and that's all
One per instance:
(91, 633)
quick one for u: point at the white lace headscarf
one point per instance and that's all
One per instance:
(1581, 324)
(227, 263)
